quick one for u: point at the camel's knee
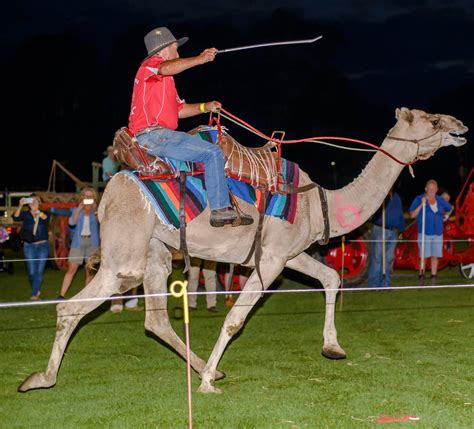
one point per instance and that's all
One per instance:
(159, 324)
(130, 279)
(233, 327)
(64, 309)
(330, 280)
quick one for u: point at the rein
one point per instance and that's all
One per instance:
(313, 139)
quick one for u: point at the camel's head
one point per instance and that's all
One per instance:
(430, 131)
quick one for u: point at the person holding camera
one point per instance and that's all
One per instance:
(34, 235)
(85, 237)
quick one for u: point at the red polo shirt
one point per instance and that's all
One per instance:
(155, 100)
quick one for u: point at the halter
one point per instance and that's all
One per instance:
(417, 142)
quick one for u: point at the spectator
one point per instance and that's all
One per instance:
(209, 273)
(109, 165)
(446, 197)
(3, 237)
(85, 237)
(244, 274)
(131, 304)
(394, 224)
(34, 234)
(436, 208)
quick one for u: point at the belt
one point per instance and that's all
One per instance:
(85, 236)
(148, 130)
(39, 242)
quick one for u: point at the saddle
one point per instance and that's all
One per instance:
(129, 153)
(257, 166)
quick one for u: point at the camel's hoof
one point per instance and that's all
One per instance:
(37, 380)
(333, 352)
(208, 388)
(219, 375)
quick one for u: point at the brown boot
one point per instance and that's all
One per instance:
(228, 215)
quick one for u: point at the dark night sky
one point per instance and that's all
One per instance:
(68, 69)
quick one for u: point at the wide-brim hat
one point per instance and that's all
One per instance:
(160, 38)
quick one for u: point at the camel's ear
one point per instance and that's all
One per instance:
(405, 114)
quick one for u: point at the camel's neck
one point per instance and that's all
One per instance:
(351, 206)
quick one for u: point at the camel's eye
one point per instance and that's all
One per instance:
(435, 122)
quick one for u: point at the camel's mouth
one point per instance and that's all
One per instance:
(456, 135)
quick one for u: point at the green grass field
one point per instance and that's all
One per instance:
(409, 353)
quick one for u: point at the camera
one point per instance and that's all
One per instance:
(28, 200)
(88, 201)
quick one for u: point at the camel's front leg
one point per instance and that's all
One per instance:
(270, 267)
(156, 320)
(70, 313)
(305, 264)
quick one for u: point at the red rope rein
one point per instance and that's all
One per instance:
(361, 142)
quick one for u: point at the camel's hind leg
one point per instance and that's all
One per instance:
(70, 313)
(270, 267)
(305, 264)
(156, 320)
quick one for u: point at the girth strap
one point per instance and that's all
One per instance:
(324, 209)
(324, 206)
(257, 242)
(258, 236)
(182, 220)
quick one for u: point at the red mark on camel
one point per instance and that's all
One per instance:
(343, 211)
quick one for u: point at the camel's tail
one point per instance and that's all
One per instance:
(93, 262)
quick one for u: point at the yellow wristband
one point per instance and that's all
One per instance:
(202, 108)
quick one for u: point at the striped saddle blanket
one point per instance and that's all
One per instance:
(164, 196)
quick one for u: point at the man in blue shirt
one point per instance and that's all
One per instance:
(109, 165)
(394, 224)
(436, 208)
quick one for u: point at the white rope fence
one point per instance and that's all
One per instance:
(42, 259)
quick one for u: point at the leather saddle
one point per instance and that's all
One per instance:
(257, 166)
(130, 154)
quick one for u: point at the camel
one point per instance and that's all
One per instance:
(136, 246)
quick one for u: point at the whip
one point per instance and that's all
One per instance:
(265, 45)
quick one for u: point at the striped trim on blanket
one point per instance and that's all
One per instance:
(164, 197)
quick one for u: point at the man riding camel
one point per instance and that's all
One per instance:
(156, 108)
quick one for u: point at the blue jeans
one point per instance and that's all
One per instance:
(35, 255)
(185, 147)
(375, 267)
